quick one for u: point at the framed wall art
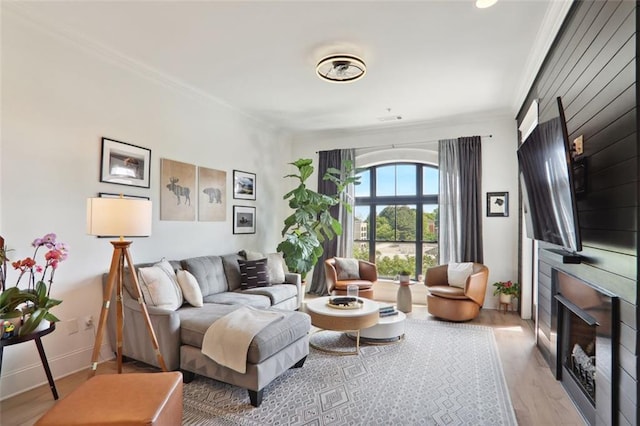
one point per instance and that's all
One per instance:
(113, 195)
(212, 195)
(244, 185)
(244, 220)
(125, 164)
(498, 204)
(177, 190)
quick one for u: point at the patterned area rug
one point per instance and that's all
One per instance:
(440, 374)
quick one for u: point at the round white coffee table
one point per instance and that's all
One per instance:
(389, 329)
(328, 318)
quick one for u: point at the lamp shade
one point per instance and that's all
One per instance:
(124, 217)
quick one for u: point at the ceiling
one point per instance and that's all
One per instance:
(427, 61)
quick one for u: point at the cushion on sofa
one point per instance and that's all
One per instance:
(277, 293)
(232, 270)
(275, 264)
(190, 288)
(239, 298)
(253, 273)
(279, 334)
(160, 287)
(209, 273)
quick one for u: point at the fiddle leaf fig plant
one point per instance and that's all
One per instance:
(311, 224)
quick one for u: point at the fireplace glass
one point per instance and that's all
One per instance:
(579, 353)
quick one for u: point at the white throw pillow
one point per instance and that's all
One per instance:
(457, 273)
(347, 269)
(190, 288)
(275, 265)
(160, 286)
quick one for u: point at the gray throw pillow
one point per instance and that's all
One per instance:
(347, 269)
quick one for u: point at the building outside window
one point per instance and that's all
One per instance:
(403, 200)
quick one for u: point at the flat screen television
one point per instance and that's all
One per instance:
(546, 176)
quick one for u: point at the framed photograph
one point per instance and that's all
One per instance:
(112, 195)
(177, 190)
(244, 185)
(498, 204)
(244, 220)
(212, 195)
(125, 164)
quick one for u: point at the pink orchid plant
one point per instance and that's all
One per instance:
(32, 303)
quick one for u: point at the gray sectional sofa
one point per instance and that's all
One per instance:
(278, 347)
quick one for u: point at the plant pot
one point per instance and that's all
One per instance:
(505, 298)
(404, 279)
(44, 324)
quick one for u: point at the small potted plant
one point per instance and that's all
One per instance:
(404, 276)
(506, 290)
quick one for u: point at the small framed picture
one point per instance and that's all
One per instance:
(244, 220)
(498, 204)
(125, 164)
(244, 185)
(112, 195)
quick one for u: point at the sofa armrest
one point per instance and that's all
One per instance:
(136, 342)
(295, 279)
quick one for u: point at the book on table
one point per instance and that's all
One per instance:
(387, 310)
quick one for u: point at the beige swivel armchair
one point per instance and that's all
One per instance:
(456, 303)
(367, 277)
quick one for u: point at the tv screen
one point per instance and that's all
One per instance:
(547, 184)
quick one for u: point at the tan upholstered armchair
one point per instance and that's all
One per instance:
(367, 277)
(456, 303)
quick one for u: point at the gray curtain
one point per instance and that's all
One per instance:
(345, 241)
(326, 159)
(449, 201)
(460, 205)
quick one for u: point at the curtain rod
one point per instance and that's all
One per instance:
(396, 145)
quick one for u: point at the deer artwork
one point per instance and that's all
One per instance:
(215, 195)
(179, 191)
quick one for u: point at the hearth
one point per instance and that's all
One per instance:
(586, 346)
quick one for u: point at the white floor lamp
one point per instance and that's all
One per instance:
(120, 217)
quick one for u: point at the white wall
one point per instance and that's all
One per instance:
(499, 173)
(58, 100)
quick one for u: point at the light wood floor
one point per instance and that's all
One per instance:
(538, 399)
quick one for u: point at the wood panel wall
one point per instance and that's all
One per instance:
(592, 66)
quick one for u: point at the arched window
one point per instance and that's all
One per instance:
(403, 199)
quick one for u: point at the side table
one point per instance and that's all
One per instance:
(43, 357)
(404, 298)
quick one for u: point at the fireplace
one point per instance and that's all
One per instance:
(586, 346)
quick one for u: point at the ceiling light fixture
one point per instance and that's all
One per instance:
(483, 4)
(341, 68)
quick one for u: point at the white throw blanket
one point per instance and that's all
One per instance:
(227, 340)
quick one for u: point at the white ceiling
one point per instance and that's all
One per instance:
(426, 60)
